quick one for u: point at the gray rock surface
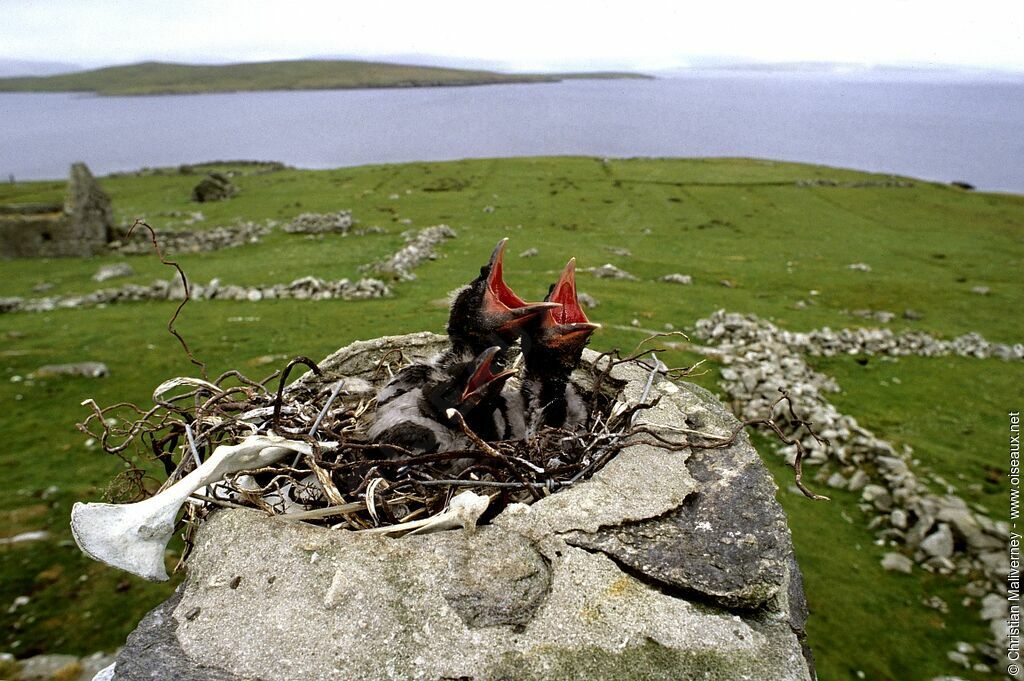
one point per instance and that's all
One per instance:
(152, 651)
(727, 542)
(614, 578)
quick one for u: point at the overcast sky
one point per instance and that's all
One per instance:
(520, 35)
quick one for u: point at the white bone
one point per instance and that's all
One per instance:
(464, 511)
(185, 380)
(133, 537)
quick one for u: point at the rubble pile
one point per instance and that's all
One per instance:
(939, 532)
(419, 247)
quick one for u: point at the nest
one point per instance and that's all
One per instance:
(350, 482)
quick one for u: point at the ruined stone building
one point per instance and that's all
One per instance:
(80, 226)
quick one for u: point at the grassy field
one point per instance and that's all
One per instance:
(158, 78)
(758, 224)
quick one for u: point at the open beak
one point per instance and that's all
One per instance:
(567, 324)
(483, 378)
(501, 303)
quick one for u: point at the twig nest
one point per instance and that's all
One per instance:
(669, 562)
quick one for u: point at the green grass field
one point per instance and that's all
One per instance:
(754, 223)
(158, 78)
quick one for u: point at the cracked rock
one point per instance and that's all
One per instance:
(584, 583)
(727, 543)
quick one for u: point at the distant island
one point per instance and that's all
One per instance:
(159, 78)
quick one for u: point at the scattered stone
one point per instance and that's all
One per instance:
(912, 315)
(43, 287)
(619, 251)
(878, 496)
(859, 267)
(87, 369)
(959, 658)
(214, 187)
(726, 283)
(586, 300)
(19, 602)
(858, 480)
(120, 269)
(898, 519)
(981, 290)
(529, 253)
(936, 603)
(610, 271)
(897, 562)
(883, 316)
(677, 278)
(939, 544)
(836, 481)
(994, 607)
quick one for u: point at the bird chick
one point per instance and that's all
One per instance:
(551, 352)
(486, 319)
(416, 418)
(487, 312)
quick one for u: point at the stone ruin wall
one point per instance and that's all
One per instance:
(81, 226)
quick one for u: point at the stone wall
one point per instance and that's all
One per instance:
(79, 227)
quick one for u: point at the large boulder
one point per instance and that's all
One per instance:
(664, 565)
(214, 187)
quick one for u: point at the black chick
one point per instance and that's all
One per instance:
(417, 418)
(551, 352)
(487, 313)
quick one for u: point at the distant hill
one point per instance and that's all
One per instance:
(157, 78)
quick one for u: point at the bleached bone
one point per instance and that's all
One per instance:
(133, 537)
(464, 511)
